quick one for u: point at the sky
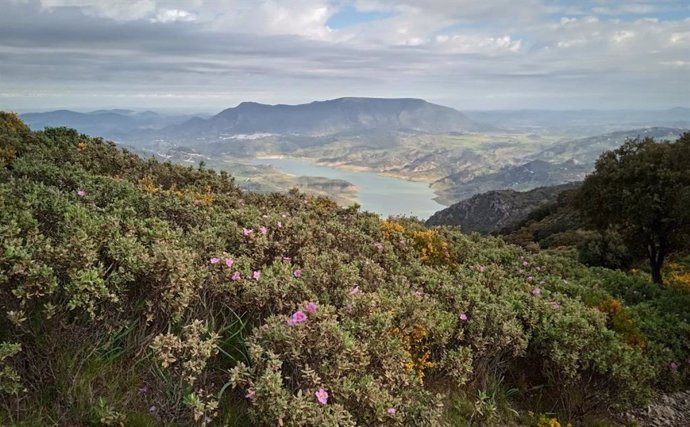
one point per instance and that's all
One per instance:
(207, 55)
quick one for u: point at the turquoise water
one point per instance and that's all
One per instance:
(383, 195)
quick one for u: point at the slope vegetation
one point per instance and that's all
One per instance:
(144, 293)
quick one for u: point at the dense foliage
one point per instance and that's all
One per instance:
(642, 192)
(143, 293)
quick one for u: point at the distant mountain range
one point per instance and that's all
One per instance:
(115, 124)
(494, 210)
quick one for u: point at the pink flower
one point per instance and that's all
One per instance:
(297, 273)
(482, 268)
(311, 308)
(354, 291)
(525, 264)
(322, 396)
(264, 216)
(250, 393)
(229, 262)
(247, 231)
(81, 193)
(418, 294)
(215, 260)
(280, 224)
(349, 308)
(287, 259)
(236, 276)
(263, 230)
(463, 316)
(674, 365)
(391, 411)
(530, 279)
(555, 305)
(536, 292)
(297, 317)
(256, 275)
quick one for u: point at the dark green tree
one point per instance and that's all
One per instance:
(642, 192)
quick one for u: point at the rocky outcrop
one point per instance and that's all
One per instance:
(669, 410)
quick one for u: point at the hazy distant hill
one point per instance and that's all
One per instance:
(588, 150)
(536, 173)
(559, 163)
(592, 121)
(107, 123)
(322, 118)
(490, 212)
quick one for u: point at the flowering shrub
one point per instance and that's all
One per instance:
(207, 302)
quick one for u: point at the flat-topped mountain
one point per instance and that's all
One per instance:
(321, 118)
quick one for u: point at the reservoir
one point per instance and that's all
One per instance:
(380, 194)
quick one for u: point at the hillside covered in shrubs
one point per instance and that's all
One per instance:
(140, 293)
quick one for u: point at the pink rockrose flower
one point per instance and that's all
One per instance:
(311, 308)
(247, 231)
(229, 262)
(530, 279)
(256, 275)
(536, 292)
(215, 260)
(391, 411)
(297, 273)
(463, 316)
(287, 259)
(297, 317)
(280, 224)
(81, 193)
(322, 396)
(525, 264)
(235, 276)
(674, 365)
(354, 291)
(263, 230)
(482, 269)
(555, 305)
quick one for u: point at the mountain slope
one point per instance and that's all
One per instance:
(492, 211)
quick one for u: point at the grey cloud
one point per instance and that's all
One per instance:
(85, 58)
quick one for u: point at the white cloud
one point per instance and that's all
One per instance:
(173, 15)
(113, 9)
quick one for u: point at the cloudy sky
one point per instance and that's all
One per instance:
(205, 55)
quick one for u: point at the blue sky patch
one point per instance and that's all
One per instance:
(351, 16)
